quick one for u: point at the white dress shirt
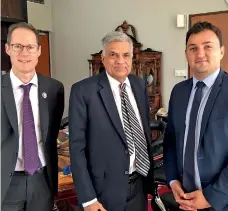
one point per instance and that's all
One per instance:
(18, 96)
(116, 94)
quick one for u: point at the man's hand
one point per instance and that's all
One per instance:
(179, 195)
(96, 206)
(177, 190)
(195, 199)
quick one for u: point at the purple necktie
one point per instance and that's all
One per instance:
(31, 157)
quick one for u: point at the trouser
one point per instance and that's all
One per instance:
(28, 193)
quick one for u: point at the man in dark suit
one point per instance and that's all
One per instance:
(109, 133)
(196, 140)
(31, 110)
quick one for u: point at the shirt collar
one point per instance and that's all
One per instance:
(115, 84)
(16, 82)
(209, 80)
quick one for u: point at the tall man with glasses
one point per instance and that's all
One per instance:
(31, 110)
(109, 134)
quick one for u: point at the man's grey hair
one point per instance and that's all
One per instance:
(116, 36)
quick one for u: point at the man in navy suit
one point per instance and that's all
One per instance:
(196, 140)
(109, 134)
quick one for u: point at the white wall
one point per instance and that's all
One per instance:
(78, 27)
(40, 15)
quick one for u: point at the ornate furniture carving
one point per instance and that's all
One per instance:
(146, 64)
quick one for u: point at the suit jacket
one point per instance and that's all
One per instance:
(50, 111)
(98, 147)
(212, 154)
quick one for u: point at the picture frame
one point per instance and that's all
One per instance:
(37, 1)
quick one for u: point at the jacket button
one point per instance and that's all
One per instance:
(126, 152)
(15, 153)
(10, 174)
(126, 172)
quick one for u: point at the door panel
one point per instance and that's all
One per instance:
(219, 19)
(43, 66)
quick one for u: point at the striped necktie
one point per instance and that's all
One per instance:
(134, 134)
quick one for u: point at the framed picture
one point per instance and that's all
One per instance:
(37, 1)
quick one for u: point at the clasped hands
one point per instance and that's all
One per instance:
(189, 201)
(96, 206)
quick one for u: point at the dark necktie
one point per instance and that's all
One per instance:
(30, 149)
(189, 156)
(134, 134)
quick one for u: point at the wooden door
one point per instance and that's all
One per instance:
(43, 66)
(219, 19)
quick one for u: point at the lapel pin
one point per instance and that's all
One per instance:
(44, 95)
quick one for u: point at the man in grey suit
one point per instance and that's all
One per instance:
(32, 107)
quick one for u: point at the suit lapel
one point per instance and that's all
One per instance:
(43, 106)
(210, 103)
(110, 105)
(9, 101)
(140, 100)
(182, 109)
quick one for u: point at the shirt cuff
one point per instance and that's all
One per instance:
(172, 181)
(89, 202)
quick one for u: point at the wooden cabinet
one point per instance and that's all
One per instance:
(5, 60)
(14, 10)
(146, 64)
(4, 8)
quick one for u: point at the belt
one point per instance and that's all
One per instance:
(133, 177)
(23, 173)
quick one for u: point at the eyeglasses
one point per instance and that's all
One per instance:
(19, 48)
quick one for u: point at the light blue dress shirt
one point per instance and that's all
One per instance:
(209, 81)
